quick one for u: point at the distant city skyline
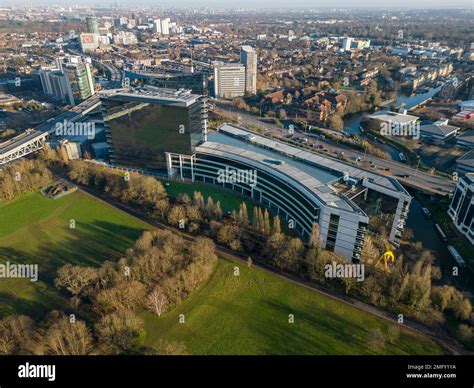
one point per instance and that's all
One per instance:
(328, 4)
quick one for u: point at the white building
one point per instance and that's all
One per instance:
(165, 26)
(346, 44)
(125, 38)
(157, 26)
(71, 82)
(89, 42)
(229, 80)
(303, 188)
(248, 58)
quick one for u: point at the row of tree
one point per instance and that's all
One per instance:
(156, 274)
(131, 188)
(406, 288)
(22, 177)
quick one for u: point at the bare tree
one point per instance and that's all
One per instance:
(157, 301)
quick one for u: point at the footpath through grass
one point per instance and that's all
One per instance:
(249, 314)
(36, 230)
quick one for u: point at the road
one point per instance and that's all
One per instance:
(407, 175)
(115, 75)
(438, 334)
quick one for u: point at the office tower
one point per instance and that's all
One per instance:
(229, 80)
(88, 42)
(70, 82)
(143, 124)
(197, 82)
(55, 84)
(248, 58)
(80, 82)
(346, 44)
(92, 25)
(157, 26)
(165, 26)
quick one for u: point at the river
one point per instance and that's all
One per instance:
(352, 122)
(424, 231)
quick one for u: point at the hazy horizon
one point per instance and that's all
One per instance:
(249, 4)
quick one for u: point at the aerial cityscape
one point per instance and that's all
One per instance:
(222, 179)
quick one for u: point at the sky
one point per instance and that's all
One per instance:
(263, 3)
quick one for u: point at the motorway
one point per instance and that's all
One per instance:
(13, 143)
(20, 144)
(407, 175)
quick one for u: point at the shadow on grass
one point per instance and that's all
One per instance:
(338, 335)
(87, 245)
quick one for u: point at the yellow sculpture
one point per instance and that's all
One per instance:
(386, 257)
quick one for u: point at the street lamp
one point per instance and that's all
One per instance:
(418, 165)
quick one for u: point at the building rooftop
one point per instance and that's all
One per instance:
(181, 97)
(317, 173)
(439, 129)
(322, 191)
(248, 49)
(467, 160)
(467, 137)
(393, 117)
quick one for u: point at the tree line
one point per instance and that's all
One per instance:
(158, 263)
(23, 176)
(407, 288)
(156, 274)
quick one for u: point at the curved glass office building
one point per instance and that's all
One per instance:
(300, 186)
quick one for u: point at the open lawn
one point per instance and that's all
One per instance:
(229, 200)
(36, 230)
(245, 314)
(249, 314)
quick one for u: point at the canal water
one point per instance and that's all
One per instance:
(351, 126)
(352, 123)
(424, 231)
(409, 101)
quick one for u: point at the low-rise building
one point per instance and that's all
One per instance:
(465, 164)
(389, 116)
(466, 140)
(439, 131)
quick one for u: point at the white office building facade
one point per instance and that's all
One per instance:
(229, 80)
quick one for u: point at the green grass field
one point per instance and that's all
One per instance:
(229, 201)
(36, 230)
(249, 314)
